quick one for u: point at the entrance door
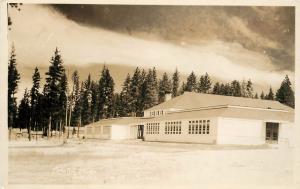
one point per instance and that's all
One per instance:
(140, 132)
(272, 132)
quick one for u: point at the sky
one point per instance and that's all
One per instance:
(229, 43)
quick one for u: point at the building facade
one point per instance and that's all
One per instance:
(210, 119)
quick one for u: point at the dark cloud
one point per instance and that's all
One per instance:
(267, 30)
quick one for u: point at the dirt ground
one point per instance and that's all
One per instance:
(138, 162)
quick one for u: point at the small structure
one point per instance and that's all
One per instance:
(115, 128)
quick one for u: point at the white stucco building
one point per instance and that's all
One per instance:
(206, 118)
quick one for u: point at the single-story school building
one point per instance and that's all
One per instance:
(204, 118)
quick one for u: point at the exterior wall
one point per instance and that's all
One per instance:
(184, 136)
(285, 136)
(124, 132)
(241, 131)
(111, 132)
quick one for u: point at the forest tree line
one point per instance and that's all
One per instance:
(87, 101)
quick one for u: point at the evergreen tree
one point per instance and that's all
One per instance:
(74, 101)
(236, 88)
(249, 89)
(262, 95)
(63, 87)
(24, 113)
(256, 96)
(118, 106)
(86, 102)
(34, 95)
(151, 96)
(270, 96)
(106, 93)
(124, 100)
(217, 88)
(226, 89)
(53, 90)
(182, 88)
(135, 91)
(204, 84)
(285, 93)
(13, 80)
(164, 88)
(94, 103)
(191, 84)
(142, 91)
(244, 88)
(175, 83)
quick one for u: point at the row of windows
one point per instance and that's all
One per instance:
(152, 128)
(156, 113)
(173, 127)
(199, 127)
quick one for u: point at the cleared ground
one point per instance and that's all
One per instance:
(137, 162)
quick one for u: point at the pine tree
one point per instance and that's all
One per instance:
(262, 95)
(182, 88)
(204, 84)
(270, 96)
(63, 101)
(52, 89)
(217, 88)
(151, 96)
(175, 83)
(34, 95)
(236, 88)
(13, 80)
(94, 103)
(86, 102)
(124, 100)
(164, 88)
(106, 92)
(24, 113)
(118, 107)
(191, 84)
(256, 96)
(244, 88)
(285, 93)
(135, 91)
(142, 91)
(249, 89)
(74, 101)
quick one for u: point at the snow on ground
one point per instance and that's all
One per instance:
(138, 162)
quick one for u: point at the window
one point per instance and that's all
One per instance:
(173, 127)
(199, 126)
(152, 128)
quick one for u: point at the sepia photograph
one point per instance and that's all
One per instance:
(160, 95)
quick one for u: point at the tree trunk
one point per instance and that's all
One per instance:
(10, 126)
(35, 125)
(70, 115)
(49, 128)
(78, 125)
(56, 129)
(59, 128)
(29, 130)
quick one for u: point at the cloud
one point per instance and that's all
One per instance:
(37, 30)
